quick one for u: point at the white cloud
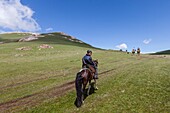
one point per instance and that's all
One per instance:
(122, 46)
(49, 29)
(16, 16)
(147, 41)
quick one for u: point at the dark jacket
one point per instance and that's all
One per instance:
(87, 60)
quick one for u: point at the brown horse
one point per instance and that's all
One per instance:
(83, 77)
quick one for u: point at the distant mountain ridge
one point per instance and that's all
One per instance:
(54, 37)
(166, 52)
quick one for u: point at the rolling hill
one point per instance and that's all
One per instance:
(166, 52)
(52, 38)
(41, 80)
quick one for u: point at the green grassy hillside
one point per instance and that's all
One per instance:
(48, 38)
(42, 80)
(166, 52)
(12, 37)
(59, 38)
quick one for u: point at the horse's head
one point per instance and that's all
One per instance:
(96, 62)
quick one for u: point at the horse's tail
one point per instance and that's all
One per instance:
(79, 90)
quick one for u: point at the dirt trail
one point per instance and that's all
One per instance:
(37, 98)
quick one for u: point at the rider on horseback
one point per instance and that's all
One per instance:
(87, 62)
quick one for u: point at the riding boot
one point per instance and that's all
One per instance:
(96, 74)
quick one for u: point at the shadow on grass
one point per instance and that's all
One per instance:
(92, 90)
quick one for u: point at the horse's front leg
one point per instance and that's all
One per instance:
(89, 87)
(95, 85)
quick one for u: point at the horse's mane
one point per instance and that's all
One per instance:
(96, 62)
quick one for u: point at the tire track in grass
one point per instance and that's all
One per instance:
(36, 98)
(33, 99)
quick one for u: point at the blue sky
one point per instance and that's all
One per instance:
(108, 24)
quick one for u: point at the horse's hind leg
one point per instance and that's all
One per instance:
(84, 87)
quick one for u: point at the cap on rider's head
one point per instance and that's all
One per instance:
(89, 51)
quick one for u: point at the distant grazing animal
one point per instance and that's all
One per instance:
(84, 76)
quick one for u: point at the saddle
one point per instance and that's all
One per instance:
(90, 68)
